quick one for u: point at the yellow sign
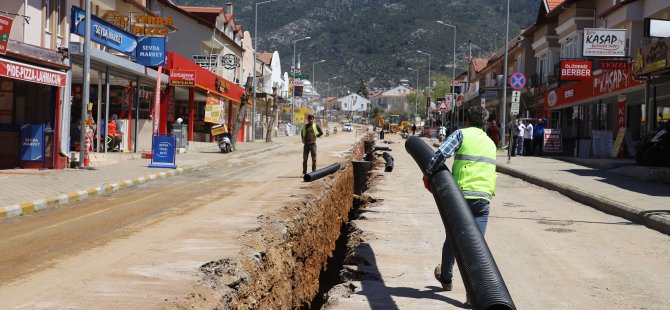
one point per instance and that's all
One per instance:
(218, 130)
(148, 26)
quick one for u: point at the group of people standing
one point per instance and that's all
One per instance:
(527, 137)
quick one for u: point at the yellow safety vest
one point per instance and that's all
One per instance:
(303, 132)
(475, 165)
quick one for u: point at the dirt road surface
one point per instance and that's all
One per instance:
(142, 248)
(553, 253)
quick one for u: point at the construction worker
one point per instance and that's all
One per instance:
(474, 170)
(309, 132)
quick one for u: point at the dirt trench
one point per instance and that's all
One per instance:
(281, 260)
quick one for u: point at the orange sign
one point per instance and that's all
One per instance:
(148, 26)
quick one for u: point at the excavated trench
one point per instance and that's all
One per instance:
(297, 257)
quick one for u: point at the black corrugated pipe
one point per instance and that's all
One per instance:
(315, 175)
(361, 169)
(382, 148)
(389, 162)
(481, 276)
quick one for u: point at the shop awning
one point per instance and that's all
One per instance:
(119, 66)
(25, 72)
(205, 79)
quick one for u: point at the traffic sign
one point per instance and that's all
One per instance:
(442, 107)
(516, 96)
(517, 81)
(516, 99)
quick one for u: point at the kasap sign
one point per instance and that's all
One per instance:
(604, 42)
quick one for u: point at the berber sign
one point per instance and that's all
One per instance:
(572, 70)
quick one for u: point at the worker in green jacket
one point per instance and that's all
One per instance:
(474, 171)
(309, 132)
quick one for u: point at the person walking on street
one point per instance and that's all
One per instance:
(519, 139)
(475, 152)
(413, 129)
(538, 136)
(528, 139)
(494, 132)
(309, 133)
(515, 136)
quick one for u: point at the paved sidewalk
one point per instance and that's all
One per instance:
(25, 191)
(639, 201)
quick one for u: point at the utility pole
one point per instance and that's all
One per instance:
(87, 83)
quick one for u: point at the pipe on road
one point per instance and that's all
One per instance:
(361, 169)
(382, 148)
(315, 175)
(480, 274)
(389, 162)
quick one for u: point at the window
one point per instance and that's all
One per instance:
(59, 15)
(47, 12)
(572, 47)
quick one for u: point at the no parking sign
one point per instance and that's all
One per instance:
(517, 81)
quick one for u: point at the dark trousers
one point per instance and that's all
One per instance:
(527, 145)
(308, 148)
(537, 146)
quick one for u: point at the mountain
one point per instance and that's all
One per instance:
(375, 40)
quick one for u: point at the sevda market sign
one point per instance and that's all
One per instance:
(151, 51)
(103, 32)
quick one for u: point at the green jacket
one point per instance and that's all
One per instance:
(475, 165)
(315, 128)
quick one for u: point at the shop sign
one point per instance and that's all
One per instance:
(214, 110)
(572, 70)
(151, 51)
(553, 141)
(653, 57)
(149, 26)
(103, 32)
(605, 83)
(163, 150)
(621, 112)
(32, 142)
(185, 78)
(490, 95)
(613, 64)
(604, 42)
(5, 29)
(30, 73)
(221, 85)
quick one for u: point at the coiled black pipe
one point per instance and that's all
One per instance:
(389, 162)
(480, 274)
(315, 175)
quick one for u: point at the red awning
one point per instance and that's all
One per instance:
(205, 79)
(25, 72)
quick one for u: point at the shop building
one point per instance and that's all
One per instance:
(209, 100)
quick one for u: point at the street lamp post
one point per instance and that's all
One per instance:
(453, 72)
(416, 97)
(328, 93)
(429, 93)
(504, 102)
(253, 108)
(313, 76)
(293, 75)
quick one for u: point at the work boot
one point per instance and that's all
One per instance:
(468, 302)
(447, 286)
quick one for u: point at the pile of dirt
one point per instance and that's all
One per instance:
(281, 260)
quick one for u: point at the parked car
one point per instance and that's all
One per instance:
(347, 127)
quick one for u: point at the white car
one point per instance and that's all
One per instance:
(347, 127)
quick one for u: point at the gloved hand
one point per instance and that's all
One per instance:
(426, 179)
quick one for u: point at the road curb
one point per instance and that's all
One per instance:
(26, 207)
(644, 217)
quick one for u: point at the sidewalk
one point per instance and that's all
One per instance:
(25, 191)
(608, 190)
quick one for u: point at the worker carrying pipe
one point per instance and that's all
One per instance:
(474, 170)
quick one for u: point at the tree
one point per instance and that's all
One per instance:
(273, 119)
(362, 89)
(246, 96)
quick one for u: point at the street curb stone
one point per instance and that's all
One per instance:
(26, 207)
(643, 217)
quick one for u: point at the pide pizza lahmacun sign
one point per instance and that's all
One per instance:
(604, 42)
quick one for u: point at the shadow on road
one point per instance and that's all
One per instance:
(625, 182)
(380, 296)
(563, 221)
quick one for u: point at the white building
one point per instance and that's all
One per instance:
(353, 102)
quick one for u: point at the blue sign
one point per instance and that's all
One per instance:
(151, 51)
(164, 149)
(103, 32)
(517, 81)
(32, 142)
